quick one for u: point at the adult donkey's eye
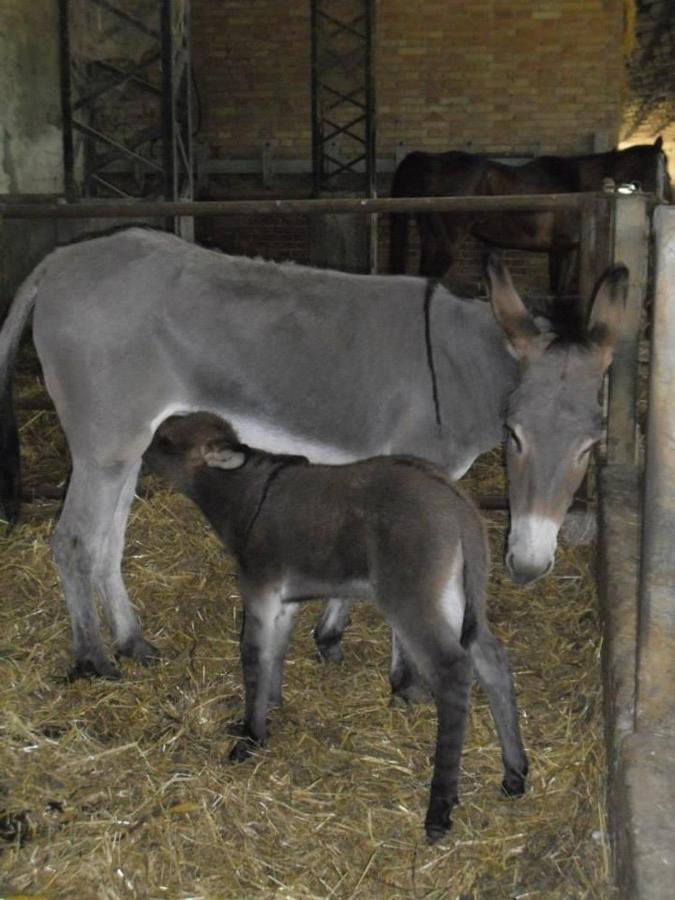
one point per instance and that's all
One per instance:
(585, 452)
(514, 438)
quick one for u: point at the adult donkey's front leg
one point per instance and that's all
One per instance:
(330, 628)
(406, 682)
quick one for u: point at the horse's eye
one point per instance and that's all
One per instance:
(515, 439)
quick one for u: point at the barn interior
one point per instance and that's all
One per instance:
(112, 109)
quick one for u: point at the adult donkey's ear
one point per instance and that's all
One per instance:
(526, 340)
(607, 311)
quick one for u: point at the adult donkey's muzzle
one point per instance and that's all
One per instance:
(531, 548)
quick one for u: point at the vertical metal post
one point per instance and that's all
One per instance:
(317, 156)
(631, 247)
(371, 135)
(655, 693)
(343, 128)
(168, 118)
(69, 186)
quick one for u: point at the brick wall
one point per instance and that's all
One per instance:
(493, 76)
(499, 75)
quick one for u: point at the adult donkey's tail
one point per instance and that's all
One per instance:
(10, 459)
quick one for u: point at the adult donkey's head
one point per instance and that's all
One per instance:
(554, 417)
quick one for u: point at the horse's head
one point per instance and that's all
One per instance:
(554, 416)
(646, 165)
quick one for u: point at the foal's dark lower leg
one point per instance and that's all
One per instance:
(451, 691)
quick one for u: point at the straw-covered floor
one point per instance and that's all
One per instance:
(122, 789)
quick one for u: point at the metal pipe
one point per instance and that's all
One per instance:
(655, 697)
(149, 208)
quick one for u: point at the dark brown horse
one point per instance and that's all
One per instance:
(557, 233)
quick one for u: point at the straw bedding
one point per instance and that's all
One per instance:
(116, 790)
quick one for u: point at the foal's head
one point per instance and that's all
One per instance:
(554, 416)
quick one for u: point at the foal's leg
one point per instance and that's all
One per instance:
(80, 551)
(267, 629)
(126, 631)
(406, 682)
(330, 628)
(494, 674)
(447, 668)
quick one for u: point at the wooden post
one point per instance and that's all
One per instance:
(631, 247)
(655, 708)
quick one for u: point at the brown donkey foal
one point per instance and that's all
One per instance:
(389, 528)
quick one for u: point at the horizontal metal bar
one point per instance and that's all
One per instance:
(114, 209)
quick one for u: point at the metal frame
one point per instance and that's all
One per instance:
(364, 206)
(343, 94)
(164, 73)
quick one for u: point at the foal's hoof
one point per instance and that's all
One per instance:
(242, 750)
(513, 784)
(410, 694)
(139, 649)
(437, 823)
(436, 832)
(89, 668)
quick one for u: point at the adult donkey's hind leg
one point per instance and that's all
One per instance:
(86, 546)
(126, 632)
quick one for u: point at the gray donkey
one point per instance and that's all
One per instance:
(392, 529)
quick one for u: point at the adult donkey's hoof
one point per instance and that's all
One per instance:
(90, 668)
(329, 652)
(242, 750)
(139, 649)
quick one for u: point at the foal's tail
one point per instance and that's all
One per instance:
(476, 569)
(10, 336)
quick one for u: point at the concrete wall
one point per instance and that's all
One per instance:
(30, 110)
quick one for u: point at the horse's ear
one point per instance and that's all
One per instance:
(658, 143)
(526, 340)
(607, 311)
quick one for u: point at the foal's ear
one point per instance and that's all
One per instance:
(219, 455)
(607, 311)
(658, 143)
(525, 338)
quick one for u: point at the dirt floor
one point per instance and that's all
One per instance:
(121, 790)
